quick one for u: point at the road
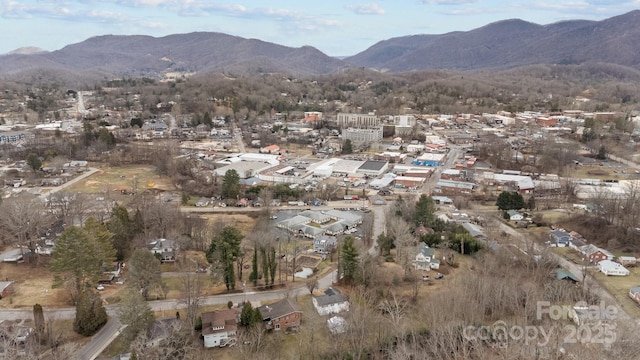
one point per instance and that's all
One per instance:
(352, 204)
(527, 245)
(54, 190)
(101, 340)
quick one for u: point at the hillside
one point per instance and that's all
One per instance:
(511, 43)
(502, 45)
(137, 56)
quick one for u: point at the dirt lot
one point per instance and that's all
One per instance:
(115, 179)
(243, 222)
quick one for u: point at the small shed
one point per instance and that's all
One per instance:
(627, 260)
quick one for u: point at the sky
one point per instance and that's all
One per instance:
(335, 27)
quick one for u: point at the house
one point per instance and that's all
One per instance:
(271, 149)
(242, 202)
(596, 254)
(165, 248)
(634, 293)
(332, 302)
(609, 267)
(627, 260)
(6, 288)
(514, 215)
(219, 327)
(324, 244)
(281, 315)
(425, 259)
(562, 274)
(560, 238)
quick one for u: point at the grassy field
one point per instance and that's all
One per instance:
(115, 179)
(33, 284)
(619, 287)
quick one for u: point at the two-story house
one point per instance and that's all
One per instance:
(219, 327)
(165, 248)
(426, 259)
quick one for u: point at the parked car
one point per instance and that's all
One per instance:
(439, 276)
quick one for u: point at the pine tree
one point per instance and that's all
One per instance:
(348, 260)
(90, 313)
(253, 277)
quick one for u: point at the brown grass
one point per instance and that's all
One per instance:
(111, 179)
(33, 285)
(243, 222)
(619, 286)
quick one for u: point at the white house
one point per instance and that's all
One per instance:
(514, 215)
(609, 267)
(332, 302)
(426, 259)
(165, 248)
(219, 327)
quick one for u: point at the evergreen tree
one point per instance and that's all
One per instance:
(90, 313)
(425, 209)
(510, 201)
(82, 254)
(34, 162)
(247, 317)
(231, 184)
(225, 248)
(348, 260)
(253, 277)
(121, 226)
(347, 147)
(273, 264)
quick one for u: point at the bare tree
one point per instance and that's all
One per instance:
(22, 221)
(192, 284)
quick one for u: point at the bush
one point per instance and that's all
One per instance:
(198, 324)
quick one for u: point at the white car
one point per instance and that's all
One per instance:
(100, 287)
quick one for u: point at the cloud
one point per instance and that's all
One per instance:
(366, 9)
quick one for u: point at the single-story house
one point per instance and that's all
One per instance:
(609, 267)
(514, 215)
(281, 315)
(6, 288)
(560, 238)
(627, 260)
(219, 327)
(562, 274)
(332, 302)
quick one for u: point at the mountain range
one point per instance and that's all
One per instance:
(500, 45)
